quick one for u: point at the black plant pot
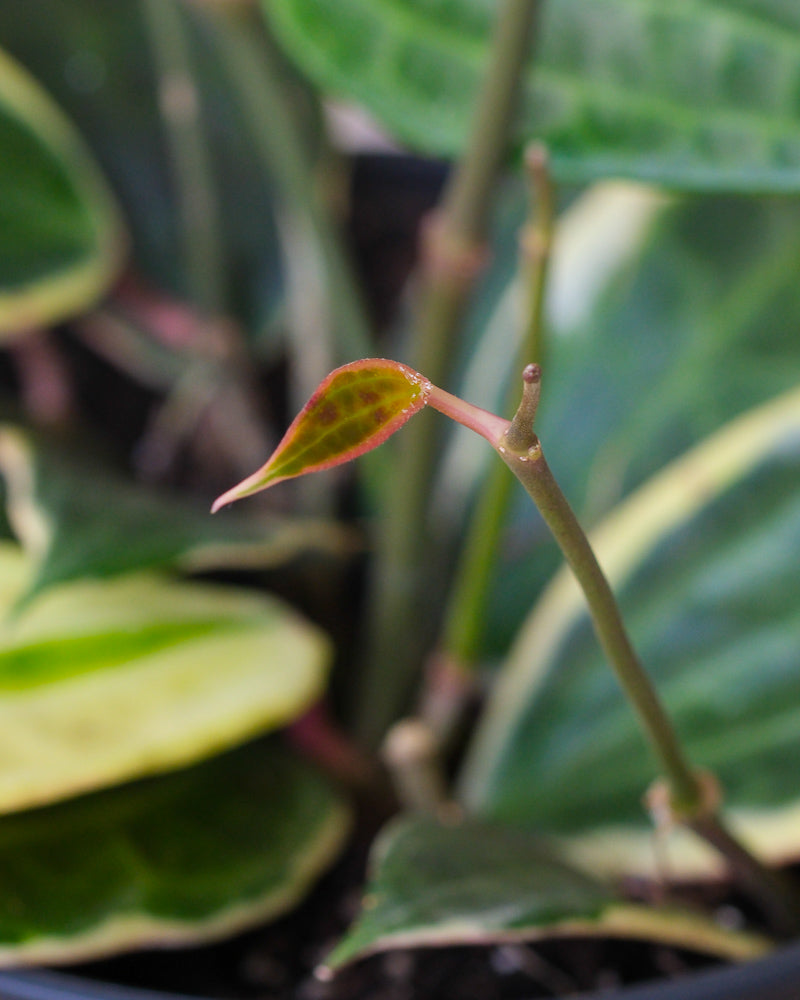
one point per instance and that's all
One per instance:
(776, 977)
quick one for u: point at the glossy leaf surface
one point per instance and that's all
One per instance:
(193, 855)
(59, 505)
(703, 559)
(101, 682)
(698, 327)
(475, 883)
(97, 61)
(354, 410)
(699, 96)
(60, 236)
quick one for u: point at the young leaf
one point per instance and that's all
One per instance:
(354, 410)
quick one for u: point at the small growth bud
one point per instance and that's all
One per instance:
(520, 437)
(532, 374)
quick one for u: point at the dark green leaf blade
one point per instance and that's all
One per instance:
(356, 408)
(96, 60)
(191, 856)
(703, 559)
(698, 96)
(472, 882)
(700, 326)
(60, 234)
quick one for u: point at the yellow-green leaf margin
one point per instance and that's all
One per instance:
(105, 681)
(62, 287)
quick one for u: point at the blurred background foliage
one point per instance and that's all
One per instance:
(189, 240)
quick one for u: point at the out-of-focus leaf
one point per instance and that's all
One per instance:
(704, 561)
(80, 522)
(60, 234)
(699, 96)
(475, 883)
(101, 682)
(171, 860)
(97, 61)
(356, 408)
(700, 327)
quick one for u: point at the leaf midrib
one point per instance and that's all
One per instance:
(30, 665)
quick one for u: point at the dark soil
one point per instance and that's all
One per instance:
(278, 961)
(272, 963)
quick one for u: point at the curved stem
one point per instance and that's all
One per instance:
(195, 194)
(522, 452)
(464, 615)
(688, 802)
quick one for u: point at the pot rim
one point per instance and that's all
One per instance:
(775, 977)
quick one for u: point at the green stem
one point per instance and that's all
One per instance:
(464, 618)
(777, 895)
(453, 254)
(252, 66)
(521, 451)
(536, 243)
(194, 187)
(465, 204)
(688, 799)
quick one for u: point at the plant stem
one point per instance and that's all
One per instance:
(688, 802)
(777, 896)
(266, 108)
(536, 242)
(453, 254)
(194, 188)
(464, 618)
(411, 755)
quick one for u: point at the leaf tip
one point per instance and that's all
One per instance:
(259, 480)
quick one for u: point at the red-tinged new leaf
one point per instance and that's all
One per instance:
(354, 410)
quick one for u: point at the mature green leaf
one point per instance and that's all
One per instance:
(476, 883)
(700, 327)
(703, 558)
(100, 682)
(60, 236)
(80, 522)
(172, 860)
(354, 409)
(699, 96)
(97, 61)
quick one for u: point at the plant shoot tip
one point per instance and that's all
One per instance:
(532, 374)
